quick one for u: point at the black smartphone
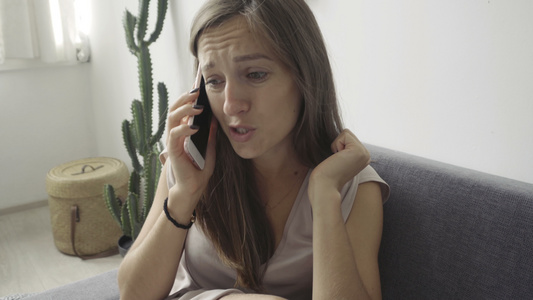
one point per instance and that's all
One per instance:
(196, 144)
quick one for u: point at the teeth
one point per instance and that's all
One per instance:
(241, 130)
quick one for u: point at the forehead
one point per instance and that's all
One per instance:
(233, 38)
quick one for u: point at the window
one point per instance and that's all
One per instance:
(42, 32)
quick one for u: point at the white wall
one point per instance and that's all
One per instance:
(52, 115)
(45, 120)
(447, 80)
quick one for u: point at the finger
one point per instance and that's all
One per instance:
(176, 136)
(211, 144)
(348, 132)
(180, 115)
(184, 99)
(339, 143)
(346, 140)
(353, 142)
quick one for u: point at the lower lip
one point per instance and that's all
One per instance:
(241, 137)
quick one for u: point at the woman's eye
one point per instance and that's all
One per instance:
(257, 75)
(212, 82)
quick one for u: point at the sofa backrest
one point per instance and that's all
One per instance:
(453, 233)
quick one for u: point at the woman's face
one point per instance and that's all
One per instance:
(252, 94)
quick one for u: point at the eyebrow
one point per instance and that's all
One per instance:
(248, 57)
(238, 59)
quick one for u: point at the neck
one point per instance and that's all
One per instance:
(277, 168)
(276, 179)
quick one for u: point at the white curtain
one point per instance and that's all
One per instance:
(44, 30)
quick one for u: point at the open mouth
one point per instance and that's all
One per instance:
(241, 134)
(241, 130)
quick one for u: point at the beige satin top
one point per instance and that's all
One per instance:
(201, 274)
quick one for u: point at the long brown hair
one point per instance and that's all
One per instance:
(231, 212)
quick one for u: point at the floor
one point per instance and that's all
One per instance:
(29, 260)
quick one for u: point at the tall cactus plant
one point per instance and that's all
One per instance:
(142, 145)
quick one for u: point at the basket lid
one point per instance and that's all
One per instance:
(86, 177)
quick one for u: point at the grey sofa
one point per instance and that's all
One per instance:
(449, 233)
(453, 233)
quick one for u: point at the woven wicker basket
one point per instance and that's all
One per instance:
(76, 189)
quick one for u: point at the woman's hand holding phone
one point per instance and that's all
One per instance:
(196, 144)
(189, 179)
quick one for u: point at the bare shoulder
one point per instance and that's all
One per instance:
(364, 226)
(365, 221)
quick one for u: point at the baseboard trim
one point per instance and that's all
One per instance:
(23, 207)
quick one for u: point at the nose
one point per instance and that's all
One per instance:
(235, 102)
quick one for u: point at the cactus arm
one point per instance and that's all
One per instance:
(162, 6)
(138, 126)
(136, 229)
(146, 85)
(112, 202)
(129, 23)
(133, 215)
(163, 111)
(129, 142)
(151, 170)
(125, 220)
(158, 167)
(135, 183)
(144, 6)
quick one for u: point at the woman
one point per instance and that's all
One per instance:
(286, 205)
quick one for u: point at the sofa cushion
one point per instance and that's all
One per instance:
(453, 233)
(101, 287)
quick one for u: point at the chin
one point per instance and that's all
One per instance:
(245, 153)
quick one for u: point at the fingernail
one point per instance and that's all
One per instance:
(194, 127)
(198, 106)
(194, 91)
